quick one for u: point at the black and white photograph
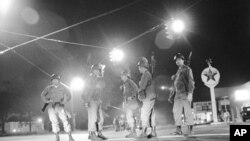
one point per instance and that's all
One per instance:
(124, 70)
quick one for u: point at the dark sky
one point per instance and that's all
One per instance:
(217, 29)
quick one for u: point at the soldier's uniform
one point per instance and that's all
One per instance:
(148, 96)
(130, 91)
(57, 96)
(183, 85)
(93, 102)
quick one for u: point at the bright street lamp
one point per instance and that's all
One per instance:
(174, 28)
(4, 5)
(77, 84)
(163, 87)
(178, 26)
(39, 120)
(242, 95)
(116, 55)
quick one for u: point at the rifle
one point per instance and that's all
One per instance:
(45, 106)
(188, 61)
(171, 96)
(153, 62)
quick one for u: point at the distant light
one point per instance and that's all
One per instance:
(242, 95)
(77, 84)
(171, 88)
(122, 115)
(178, 26)
(39, 120)
(14, 130)
(116, 55)
(4, 5)
(163, 88)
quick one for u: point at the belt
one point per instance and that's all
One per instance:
(57, 103)
(131, 97)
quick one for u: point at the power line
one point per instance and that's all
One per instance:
(31, 63)
(27, 60)
(155, 27)
(152, 29)
(71, 26)
(52, 40)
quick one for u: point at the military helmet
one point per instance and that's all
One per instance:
(143, 62)
(55, 76)
(95, 67)
(179, 56)
(125, 73)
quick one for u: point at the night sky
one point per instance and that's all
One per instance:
(216, 29)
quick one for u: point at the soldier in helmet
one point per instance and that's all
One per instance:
(184, 87)
(147, 96)
(130, 91)
(92, 101)
(57, 96)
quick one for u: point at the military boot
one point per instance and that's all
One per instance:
(70, 137)
(100, 135)
(190, 131)
(153, 133)
(144, 133)
(177, 131)
(132, 134)
(94, 137)
(57, 137)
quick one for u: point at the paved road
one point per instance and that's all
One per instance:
(202, 133)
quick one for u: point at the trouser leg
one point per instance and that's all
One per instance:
(146, 112)
(92, 116)
(146, 115)
(130, 118)
(64, 118)
(153, 123)
(100, 118)
(188, 113)
(54, 120)
(177, 111)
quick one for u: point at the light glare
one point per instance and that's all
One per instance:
(39, 120)
(77, 84)
(242, 95)
(178, 26)
(4, 5)
(116, 55)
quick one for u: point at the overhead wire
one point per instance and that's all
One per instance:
(71, 26)
(31, 63)
(52, 40)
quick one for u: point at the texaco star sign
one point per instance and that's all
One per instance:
(210, 76)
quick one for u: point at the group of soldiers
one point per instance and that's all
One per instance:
(57, 95)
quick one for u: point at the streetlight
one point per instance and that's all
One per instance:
(174, 28)
(116, 55)
(163, 87)
(39, 120)
(242, 95)
(178, 26)
(4, 5)
(77, 84)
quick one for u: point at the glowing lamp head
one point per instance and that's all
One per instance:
(39, 120)
(77, 84)
(4, 5)
(242, 95)
(178, 26)
(116, 55)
